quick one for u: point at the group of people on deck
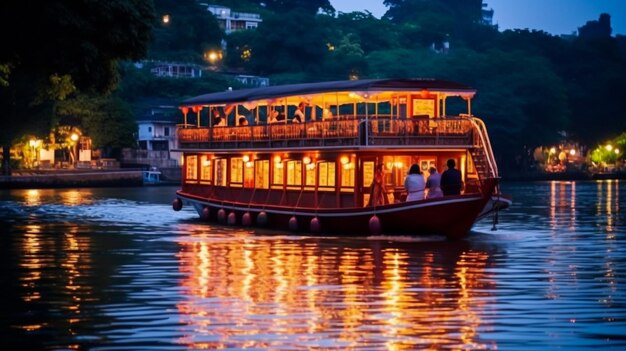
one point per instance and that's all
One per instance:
(449, 182)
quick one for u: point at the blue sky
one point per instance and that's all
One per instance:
(553, 16)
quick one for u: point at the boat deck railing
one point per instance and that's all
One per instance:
(338, 131)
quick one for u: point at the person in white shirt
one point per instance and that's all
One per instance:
(414, 184)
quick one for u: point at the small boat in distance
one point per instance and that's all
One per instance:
(152, 176)
(303, 157)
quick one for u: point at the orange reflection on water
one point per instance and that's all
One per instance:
(66, 254)
(243, 292)
(562, 204)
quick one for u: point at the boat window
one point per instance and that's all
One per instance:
(347, 176)
(277, 178)
(309, 176)
(236, 171)
(294, 172)
(205, 169)
(248, 174)
(326, 175)
(191, 166)
(262, 173)
(368, 173)
(220, 172)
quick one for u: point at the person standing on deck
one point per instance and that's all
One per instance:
(451, 180)
(378, 192)
(414, 184)
(298, 116)
(433, 184)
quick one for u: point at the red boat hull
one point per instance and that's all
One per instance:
(452, 216)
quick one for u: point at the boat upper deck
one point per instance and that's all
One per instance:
(341, 131)
(356, 114)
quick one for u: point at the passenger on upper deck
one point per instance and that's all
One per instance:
(298, 116)
(218, 120)
(242, 120)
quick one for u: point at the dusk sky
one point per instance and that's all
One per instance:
(553, 16)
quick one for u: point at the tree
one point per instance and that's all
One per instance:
(183, 30)
(287, 43)
(311, 7)
(597, 29)
(81, 40)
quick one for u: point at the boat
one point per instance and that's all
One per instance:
(259, 167)
(151, 176)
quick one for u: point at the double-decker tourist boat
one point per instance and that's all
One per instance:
(307, 157)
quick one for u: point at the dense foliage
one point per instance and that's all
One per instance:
(533, 87)
(57, 47)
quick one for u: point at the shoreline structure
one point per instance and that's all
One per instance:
(134, 177)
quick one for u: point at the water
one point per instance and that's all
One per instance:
(117, 269)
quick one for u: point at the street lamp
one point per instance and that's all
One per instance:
(74, 145)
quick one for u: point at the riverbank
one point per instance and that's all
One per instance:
(563, 176)
(71, 179)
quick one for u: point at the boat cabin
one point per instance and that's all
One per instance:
(327, 159)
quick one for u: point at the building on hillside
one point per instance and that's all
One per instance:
(231, 21)
(156, 136)
(487, 14)
(252, 81)
(175, 69)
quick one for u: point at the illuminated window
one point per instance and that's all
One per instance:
(220, 172)
(294, 172)
(191, 164)
(347, 175)
(248, 174)
(205, 169)
(326, 175)
(278, 173)
(236, 170)
(262, 171)
(368, 173)
(309, 175)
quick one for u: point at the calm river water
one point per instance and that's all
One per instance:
(118, 269)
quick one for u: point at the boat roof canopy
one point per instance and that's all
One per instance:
(347, 91)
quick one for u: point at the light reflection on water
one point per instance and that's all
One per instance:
(118, 269)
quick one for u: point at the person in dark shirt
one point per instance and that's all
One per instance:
(451, 180)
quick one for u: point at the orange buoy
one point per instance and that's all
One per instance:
(232, 219)
(293, 223)
(246, 219)
(375, 225)
(221, 215)
(177, 204)
(315, 225)
(206, 213)
(261, 218)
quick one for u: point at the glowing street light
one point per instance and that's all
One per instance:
(166, 19)
(609, 147)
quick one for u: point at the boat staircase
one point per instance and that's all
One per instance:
(482, 153)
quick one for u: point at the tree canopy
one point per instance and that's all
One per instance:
(79, 42)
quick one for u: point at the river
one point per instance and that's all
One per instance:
(118, 269)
